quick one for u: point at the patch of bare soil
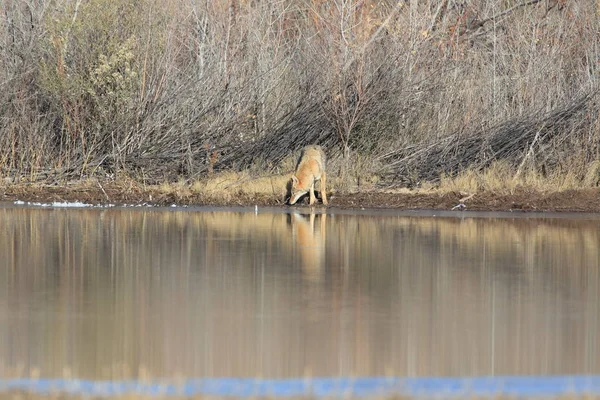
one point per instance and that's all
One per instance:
(583, 200)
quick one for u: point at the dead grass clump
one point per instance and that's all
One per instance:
(179, 189)
(501, 177)
(227, 185)
(592, 174)
(467, 181)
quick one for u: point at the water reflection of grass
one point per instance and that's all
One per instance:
(114, 271)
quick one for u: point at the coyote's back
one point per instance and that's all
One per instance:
(312, 152)
(309, 169)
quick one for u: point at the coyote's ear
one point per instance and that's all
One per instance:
(294, 180)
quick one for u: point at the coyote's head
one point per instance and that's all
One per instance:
(298, 189)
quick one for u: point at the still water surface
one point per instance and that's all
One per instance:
(121, 293)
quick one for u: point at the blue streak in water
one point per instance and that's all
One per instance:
(517, 386)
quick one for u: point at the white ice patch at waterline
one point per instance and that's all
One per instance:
(60, 204)
(75, 204)
(78, 204)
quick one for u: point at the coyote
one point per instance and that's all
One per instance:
(310, 168)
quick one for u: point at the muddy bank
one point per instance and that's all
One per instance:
(583, 200)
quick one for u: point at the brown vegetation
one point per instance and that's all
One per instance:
(399, 93)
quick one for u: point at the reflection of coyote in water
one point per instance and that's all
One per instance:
(295, 235)
(310, 244)
(310, 169)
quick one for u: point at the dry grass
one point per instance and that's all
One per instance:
(501, 177)
(227, 185)
(237, 187)
(255, 185)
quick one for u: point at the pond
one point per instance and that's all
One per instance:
(275, 293)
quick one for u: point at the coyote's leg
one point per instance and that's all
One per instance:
(323, 189)
(312, 193)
